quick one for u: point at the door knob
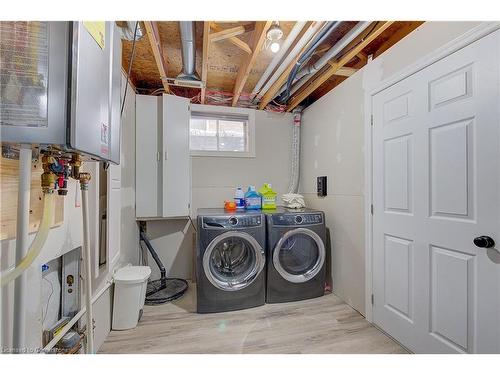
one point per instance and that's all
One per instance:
(484, 241)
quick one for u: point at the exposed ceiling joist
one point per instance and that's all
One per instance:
(256, 42)
(271, 93)
(235, 40)
(346, 71)
(397, 36)
(154, 40)
(362, 56)
(229, 33)
(318, 80)
(204, 61)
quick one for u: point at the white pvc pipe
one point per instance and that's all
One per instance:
(22, 233)
(293, 53)
(304, 74)
(299, 25)
(74, 320)
(87, 273)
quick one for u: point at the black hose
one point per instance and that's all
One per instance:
(320, 38)
(163, 272)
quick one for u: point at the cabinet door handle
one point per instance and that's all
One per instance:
(166, 155)
(158, 156)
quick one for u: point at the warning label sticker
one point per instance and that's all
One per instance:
(98, 31)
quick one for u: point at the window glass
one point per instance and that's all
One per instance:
(218, 134)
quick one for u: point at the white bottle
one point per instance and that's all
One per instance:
(239, 198)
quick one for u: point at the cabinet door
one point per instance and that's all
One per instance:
(176, 161)
(147, 156)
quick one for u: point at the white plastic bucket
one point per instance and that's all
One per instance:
(129, 296)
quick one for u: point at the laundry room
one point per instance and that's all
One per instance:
(198, 182)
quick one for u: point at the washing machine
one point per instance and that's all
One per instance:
(296, 255)
(231, 260)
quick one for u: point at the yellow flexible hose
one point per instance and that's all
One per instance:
(37, 244)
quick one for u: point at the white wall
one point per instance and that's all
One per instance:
(333, 142)
(68, 236)
(214, 180)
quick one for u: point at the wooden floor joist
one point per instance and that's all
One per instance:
(229, 33)
(204, 61)
(233, 39)
(256, 42)
(318, 80)
(346, 71)
(154, 40)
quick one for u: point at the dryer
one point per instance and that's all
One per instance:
(296, 255)
(231, 260)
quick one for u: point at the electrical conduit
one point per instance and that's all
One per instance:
(299, 25)
(303, 75)
(293, 53)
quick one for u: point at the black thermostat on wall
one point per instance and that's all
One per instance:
(321, 186)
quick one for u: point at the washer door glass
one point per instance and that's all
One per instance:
(299, 255)
(233, 260)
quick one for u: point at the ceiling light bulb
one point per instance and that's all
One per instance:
(275, 47)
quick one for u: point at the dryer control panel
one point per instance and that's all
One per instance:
(298, 219)
(236, 221)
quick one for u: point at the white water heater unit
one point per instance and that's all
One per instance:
(60, 86)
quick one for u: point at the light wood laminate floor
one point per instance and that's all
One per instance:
(321, 325)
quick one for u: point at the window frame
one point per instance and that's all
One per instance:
(213, 111)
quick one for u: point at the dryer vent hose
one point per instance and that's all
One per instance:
(293, 186)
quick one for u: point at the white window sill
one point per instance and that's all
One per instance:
(222, 154)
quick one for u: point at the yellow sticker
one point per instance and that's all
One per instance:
(98, 31)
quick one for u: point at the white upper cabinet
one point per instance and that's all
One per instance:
(163, 176)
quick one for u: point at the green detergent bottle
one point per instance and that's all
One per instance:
(268, 197)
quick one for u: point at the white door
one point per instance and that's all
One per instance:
(436, 188)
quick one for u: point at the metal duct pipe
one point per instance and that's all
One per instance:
(188, 51)
(299, 25)
(304, 74)
(293, 53)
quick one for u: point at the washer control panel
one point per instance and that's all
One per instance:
(234, 222)
(302, 219)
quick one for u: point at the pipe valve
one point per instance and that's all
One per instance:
(84, 178)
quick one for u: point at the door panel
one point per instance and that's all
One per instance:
(450, 88)
(399, 275)
(398, 186)
(436, 187)
(451, 169)
(452, 289)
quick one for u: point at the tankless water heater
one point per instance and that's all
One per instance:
(60, 86)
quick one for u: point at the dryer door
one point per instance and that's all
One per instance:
(299, 255)
(233, 260)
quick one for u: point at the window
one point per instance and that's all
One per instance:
(221, 134)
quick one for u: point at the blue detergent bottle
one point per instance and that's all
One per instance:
(253, 200)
